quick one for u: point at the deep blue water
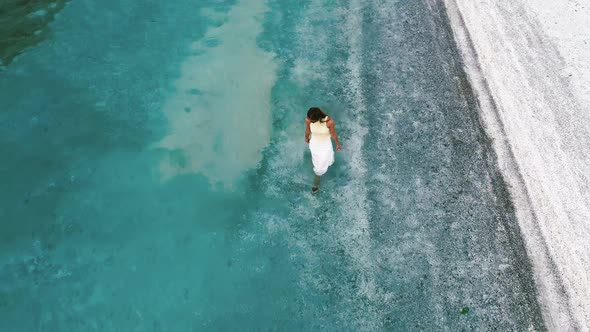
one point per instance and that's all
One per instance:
(154, 174)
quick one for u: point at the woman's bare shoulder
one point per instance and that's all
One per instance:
(330, 122)
(307, 120)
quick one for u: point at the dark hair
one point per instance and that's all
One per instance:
(315, 114)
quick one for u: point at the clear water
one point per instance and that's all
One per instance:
(154, 174)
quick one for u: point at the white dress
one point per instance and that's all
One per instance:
(320, 145)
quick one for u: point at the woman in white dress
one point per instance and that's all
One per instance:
(321, 128)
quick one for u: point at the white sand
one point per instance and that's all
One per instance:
(567, 24)
(529, 64)
(216, 90)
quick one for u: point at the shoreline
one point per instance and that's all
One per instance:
(561, 301)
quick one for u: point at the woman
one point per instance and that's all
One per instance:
(321, 127)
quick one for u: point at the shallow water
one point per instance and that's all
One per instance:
(155, 175)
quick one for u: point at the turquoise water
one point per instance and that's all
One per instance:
(154, 174)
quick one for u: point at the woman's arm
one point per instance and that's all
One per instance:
(332, 126)
(307, 130)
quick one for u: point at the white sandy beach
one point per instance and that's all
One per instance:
(529, 64)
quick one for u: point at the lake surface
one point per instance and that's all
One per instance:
(155, 175)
